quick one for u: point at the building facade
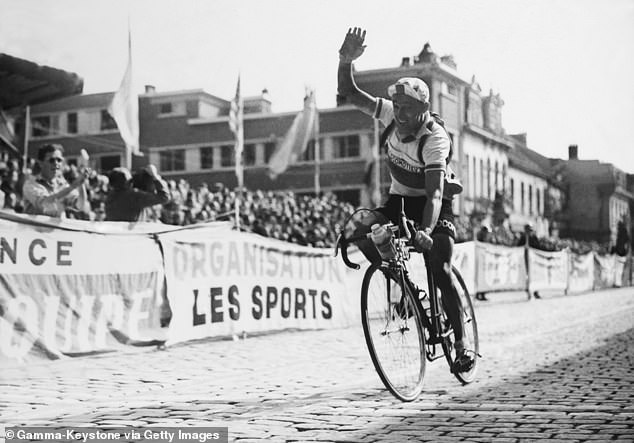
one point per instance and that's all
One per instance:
(599, 198)
(186, 135)
(78, 122)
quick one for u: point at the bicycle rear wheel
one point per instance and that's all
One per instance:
(393, 332)
(469, 327)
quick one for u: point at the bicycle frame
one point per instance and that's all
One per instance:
(431, 320)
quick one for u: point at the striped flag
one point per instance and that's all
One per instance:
(296, 140)
(124, 108)
(236, 119)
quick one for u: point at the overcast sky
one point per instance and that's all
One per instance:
(564, 68)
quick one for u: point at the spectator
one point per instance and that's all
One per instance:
(126, 203)
(48, 193)
(533, 241)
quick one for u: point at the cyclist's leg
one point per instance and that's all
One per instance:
(444, 236)
(441, 268)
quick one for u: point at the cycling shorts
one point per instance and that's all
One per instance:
(414, 211)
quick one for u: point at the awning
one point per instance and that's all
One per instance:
(26, 83)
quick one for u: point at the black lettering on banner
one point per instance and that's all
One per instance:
(256, 298)
(313, 293)
(285, 297)
(271, 299)
(34, 260)
(234, 303)
(217, 316)
(62, 252)
(300, 302)
(326, 312)
(11, 252)
(198, 319)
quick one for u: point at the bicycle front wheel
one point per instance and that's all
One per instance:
(393, 331)
(469, 328)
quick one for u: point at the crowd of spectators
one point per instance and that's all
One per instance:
(502, 235)
(283, 215)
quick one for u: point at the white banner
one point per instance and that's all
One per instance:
(464, 259)
(605, 271)
(581, 272)
(548, 270)
(499, 268)
(221, 283)
(620, 276)
(69, 293)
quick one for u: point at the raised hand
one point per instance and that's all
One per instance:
(352, 46)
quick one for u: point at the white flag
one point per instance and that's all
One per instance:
(296, 139)
(236, 119)
(124, 108)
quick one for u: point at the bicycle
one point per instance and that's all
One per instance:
(402, 323)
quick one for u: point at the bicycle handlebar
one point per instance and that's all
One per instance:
(344, 242)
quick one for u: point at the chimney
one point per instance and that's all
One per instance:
(405, 62)
(573, 152)
(150, 89)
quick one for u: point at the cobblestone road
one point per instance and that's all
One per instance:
(558, 369)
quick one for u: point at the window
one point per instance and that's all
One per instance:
(71, 123)
(467, 172)
(309, 153)
(512, 194)
(448, 88)
(165, 108)
(249, 154)
(172, 160)
(45, 125)
(522, 197)
(227, 156)
(41, 126)
(475, 177)
(207, 157)
(488, 173)
(496, 176)
(530, 199)
(269, 149)
(539, 199)
(107, 122)
(346, 146)
(482, 194)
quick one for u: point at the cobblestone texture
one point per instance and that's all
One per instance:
(556, 369)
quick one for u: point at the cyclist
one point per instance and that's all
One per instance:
(419, 184)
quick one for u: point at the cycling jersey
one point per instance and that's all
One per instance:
(406, 170)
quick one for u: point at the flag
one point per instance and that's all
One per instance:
(296, 139)
(236, 120)
(7, 131)
(124, 107)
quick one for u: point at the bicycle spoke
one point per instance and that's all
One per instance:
(393, 334)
